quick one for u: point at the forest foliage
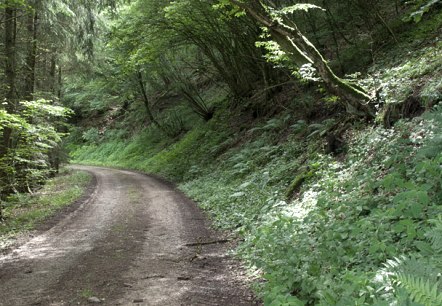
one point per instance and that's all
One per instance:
(310, 129)
(40, 40)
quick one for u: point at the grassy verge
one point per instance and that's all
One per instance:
(22, 212)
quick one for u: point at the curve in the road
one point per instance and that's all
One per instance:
(135, 240)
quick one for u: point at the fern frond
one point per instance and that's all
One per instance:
(435, 235)
(420, 289)
(419, 278)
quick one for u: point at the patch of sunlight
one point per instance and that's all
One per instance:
(43, 248)
(300, 208)
(383, 279)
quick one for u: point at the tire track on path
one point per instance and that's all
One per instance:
(131, 242)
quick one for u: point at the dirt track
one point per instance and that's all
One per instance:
(135, 241)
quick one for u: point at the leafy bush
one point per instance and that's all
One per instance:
(34, 138)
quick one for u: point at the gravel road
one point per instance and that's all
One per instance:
(134, 241)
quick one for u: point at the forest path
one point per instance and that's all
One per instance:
(136, 240)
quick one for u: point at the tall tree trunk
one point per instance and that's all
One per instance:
(53, 73)
(60, 82)
(10, 28)
(302, 51)
(10, 78)
(32, 25)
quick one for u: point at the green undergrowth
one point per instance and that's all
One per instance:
(22, 212)
(149, 151)
(362, 227)
(356, 231)
(359, 228)
(331, 244)
(419, 75)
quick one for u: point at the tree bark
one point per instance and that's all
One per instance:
(32, 25)
(10, 78)
(302, 51)
(53, 73)
(60, 82)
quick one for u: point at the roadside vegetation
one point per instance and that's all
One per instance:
(354, 220)
(310, 131)
(24, 212)
(39, 41)
(360, 229)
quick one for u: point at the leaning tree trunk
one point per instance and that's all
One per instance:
(146, 103)
(302, 51)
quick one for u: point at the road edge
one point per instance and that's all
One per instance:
(53, 220)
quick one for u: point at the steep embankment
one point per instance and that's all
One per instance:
(360, 226)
